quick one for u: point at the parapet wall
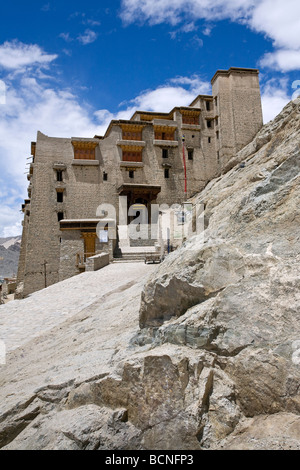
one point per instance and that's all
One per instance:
(97, 262)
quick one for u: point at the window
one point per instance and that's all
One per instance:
(132, 156)
(216, 102)
(60, 196)
(217, 121)
(207, 105)
(131, 135)
(209, 124)
(167, 173)
(194, 120)
(165, 153)
(217, 134)
(131, 174)
(59, 175)
(190, 154)
(209, 140)
(159, 135)
(84, 154)
(105, 176)
(60, 216)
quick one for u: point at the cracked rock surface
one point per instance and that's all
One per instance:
(201, 352)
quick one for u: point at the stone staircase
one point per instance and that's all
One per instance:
(133, 254)
(134, 249)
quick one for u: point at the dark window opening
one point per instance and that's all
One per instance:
(60, 216)
(131, 174)
(167, 173)
(190, 154)
(217, 134)
(105, 176)
(165, 153)
(60, 197)
(209, 140)
(59, 175)
(209, 124)
(207, 105)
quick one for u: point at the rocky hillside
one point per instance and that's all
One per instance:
(215, 363)
(9, 256)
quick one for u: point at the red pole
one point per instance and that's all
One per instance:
(184, 165)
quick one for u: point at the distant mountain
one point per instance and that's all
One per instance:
(9, 256)
(7, 242)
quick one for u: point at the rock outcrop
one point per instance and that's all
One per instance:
(215, 363)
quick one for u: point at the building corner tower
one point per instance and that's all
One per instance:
(237, 103)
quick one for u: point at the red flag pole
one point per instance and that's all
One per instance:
(184, 166)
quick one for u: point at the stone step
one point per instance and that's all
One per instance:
(133, 256)
(121, 260)
(142, 243)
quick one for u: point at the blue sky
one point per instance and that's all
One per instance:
(68, 68)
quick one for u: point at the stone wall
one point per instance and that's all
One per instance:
(94, 263)
(71, 246)
(237, 103)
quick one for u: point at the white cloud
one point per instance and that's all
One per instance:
(11, 220)
(92, 22)
(274, 98)
(2, 92)
(283, 60)
(66, 37)
(88, 37)
(278, 20)
(179, 91)
(15, 54)
(207, 30)
(175, 11)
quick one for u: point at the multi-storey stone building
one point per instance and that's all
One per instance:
(153, 158)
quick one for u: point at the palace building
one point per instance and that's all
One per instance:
(150, 159)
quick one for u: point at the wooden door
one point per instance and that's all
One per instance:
(89, 244)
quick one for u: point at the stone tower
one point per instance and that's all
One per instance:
(237, 104)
